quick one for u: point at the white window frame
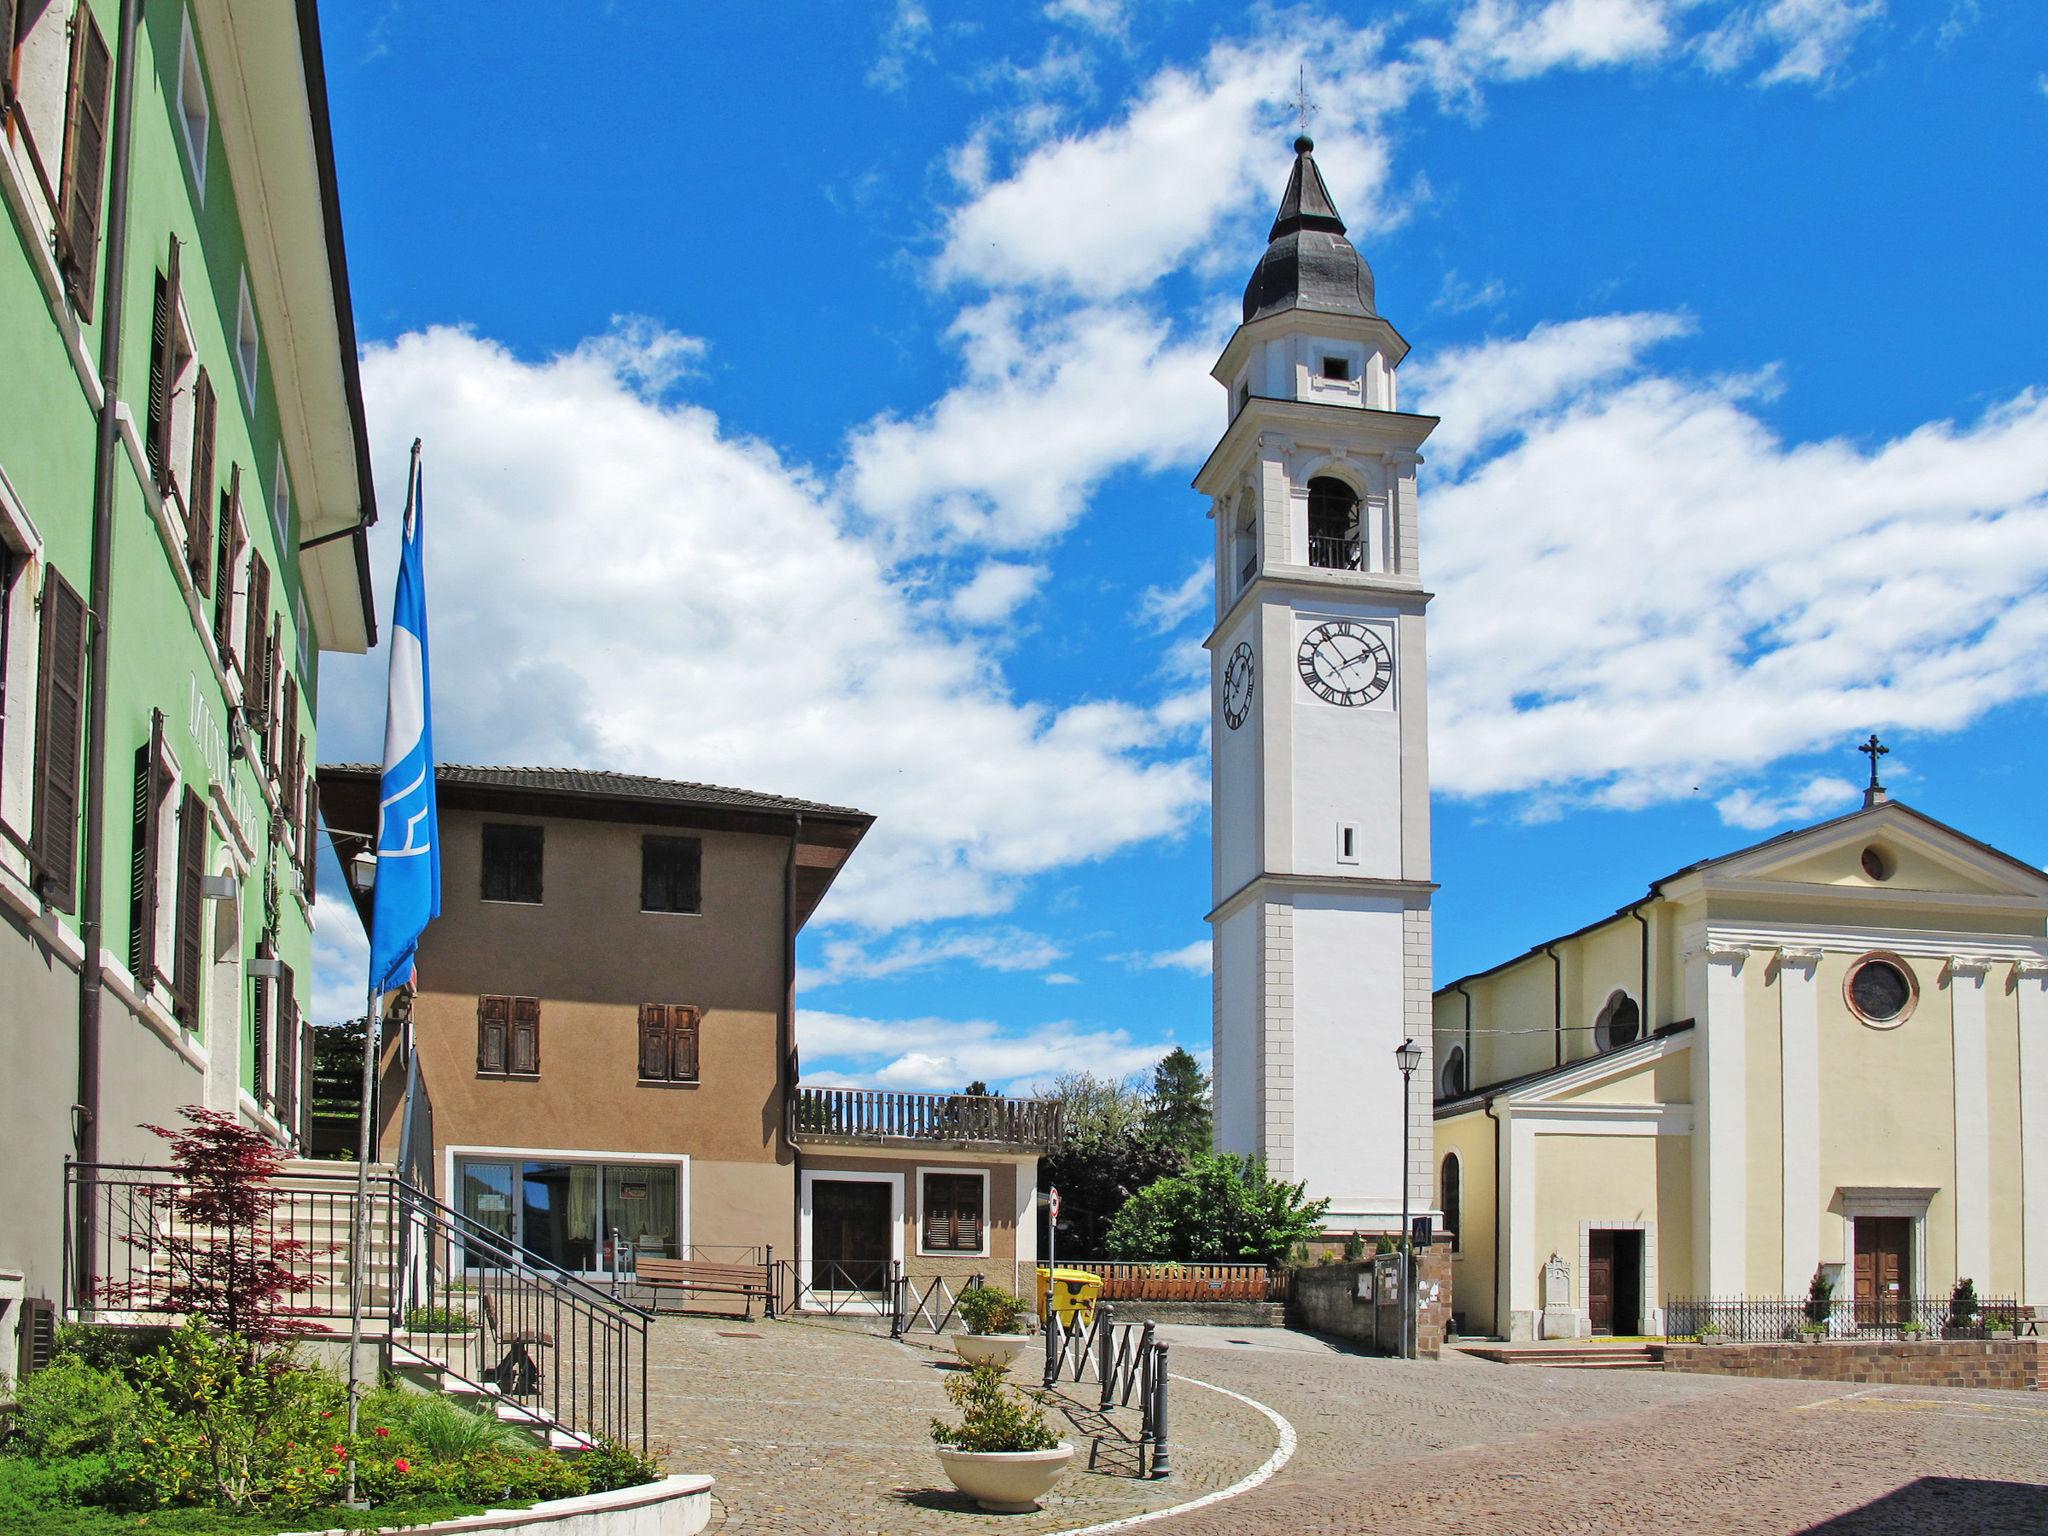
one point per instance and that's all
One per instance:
(241, 552)
(1348, 853)
(21, 634)
(193, 104)
(42, 89)
(951, 1253)
(248, 343)
(180, 395)
(811, 1176)
(517, 1155)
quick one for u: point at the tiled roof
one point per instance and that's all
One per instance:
(607, 785)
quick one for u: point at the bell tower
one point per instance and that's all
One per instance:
(1319, 730)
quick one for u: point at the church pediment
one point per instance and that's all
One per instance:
(1889, 851)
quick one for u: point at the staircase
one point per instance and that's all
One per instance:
(1574, 1356)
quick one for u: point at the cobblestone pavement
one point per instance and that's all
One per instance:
(824, 1427)
(1464, 1446)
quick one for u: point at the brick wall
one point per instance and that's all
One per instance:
(2015, 1365)
(1326, 1300)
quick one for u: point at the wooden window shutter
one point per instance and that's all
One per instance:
(230, 555)
(60, 723)
(525, 1037)
(273, 695)
(493, 1023)
(256, 625)
(938, 1211)
(653, 1041)
(191, 906)
(10, 19)
(199, 494)
(309, 845)
(259, 1034)
(286, 1067)
(967, 1213)
(683, 1043)
(84, 174)
(163, 365)
(142, 879)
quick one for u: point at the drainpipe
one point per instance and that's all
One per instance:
(92, 896)
(1496, 1219)
(1556, 1002)
(1643, 997)
(787, 1066)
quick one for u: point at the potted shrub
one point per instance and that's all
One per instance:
(1962, 1310)
(995, 1321)
(1002, 1454)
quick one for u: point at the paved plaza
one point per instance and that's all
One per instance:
(821, 1426)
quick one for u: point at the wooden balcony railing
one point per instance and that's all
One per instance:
(886, 1115)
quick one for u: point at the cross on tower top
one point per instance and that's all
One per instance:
(1303, 107)
(1873, 749)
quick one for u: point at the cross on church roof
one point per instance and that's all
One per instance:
(1303, 107)
(1873, 749)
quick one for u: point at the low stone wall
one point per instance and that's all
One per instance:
(2015, 1365)
(1326, 1299)
(679, 1505)
(1218, 1314)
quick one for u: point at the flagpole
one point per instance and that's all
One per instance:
(359, 1235)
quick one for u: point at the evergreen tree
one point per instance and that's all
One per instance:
(1179, 1112)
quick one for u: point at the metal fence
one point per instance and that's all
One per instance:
(534, 1343)
(1126, 1280)
(832, 1288)
(1770, 1319)
(927, 1304)
(887, 1114)
(1126, 1360)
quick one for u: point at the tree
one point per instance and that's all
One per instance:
(1224, 1209)
(1092, 1106)
(1178, 1111)
(223, 1260)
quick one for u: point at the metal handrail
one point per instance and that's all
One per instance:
(1336, 554)
(884, 1114)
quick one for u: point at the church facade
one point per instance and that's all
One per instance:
(1320, 768)
(1827, 1051)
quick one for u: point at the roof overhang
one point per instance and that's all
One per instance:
(270, 100)
(1363, 430)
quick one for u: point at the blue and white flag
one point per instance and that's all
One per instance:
(408, 889)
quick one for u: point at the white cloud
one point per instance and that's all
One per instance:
(1803, 40)
(994, 949)
(1165, 608)
(1822, 795)
(1459, 295)
(1060, 979)
(906, 39)
(1650, 590)
(1517, 39)
(617, 581)
(998, 589)
(1193, 958)
(1109, 18)
(937, 1053)
(341, 962)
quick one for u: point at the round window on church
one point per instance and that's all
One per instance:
(1877, 863)
(1454, 1072)
(1881, 990)
(1620, 1023)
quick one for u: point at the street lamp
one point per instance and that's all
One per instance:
(1408, 1056)
(362, 871)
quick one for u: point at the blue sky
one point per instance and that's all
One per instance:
(810, 395)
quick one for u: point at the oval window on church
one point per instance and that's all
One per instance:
(1619, 1023)
(1881, 990)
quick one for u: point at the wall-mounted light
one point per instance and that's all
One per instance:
(362, 872)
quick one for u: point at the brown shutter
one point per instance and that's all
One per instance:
(310, 845)
(230, 554)
(493, 1021)
(256, 624)
(967, 1213)
(653, 1041)
(525, 1035)
(163, 371)
(142, 870)
(259, 1001)
(199, 494)
(273, 695)
(85, 153)
(682, 1027)
(938, 1212)
(191, 874)
(286, 1067)
(10, 16)
(60, 720)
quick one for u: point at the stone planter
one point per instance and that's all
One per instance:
(1008, 1482)
(982, 1348)
(679, 1505)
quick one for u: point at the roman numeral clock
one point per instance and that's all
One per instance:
(1319, 734)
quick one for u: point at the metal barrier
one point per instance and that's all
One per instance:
(1126, 1360)
(494, 1320)
(1765, 1319)
(832, 1288)
(933, 1306)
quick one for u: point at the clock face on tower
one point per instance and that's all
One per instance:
(1345, 663)
(1237, 686)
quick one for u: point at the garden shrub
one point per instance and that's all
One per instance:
(435, 1427)
(994, 1416)
(610, 1465)
(439, 1320)
(71, 1408)
(110, 1346)
(991, 1309)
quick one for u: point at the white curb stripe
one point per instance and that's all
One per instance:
(1282, 1454)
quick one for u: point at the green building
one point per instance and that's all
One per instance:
(184, 493)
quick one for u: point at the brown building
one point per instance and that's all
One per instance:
(604, 1024)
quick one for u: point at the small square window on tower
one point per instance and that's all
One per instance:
(1337, 368)
(1347, 842)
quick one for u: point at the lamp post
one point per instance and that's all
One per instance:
(1408, 1056)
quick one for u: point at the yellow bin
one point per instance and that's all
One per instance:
(1074, 1294)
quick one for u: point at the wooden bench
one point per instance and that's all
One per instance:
(518, 1373)
(744, 1280)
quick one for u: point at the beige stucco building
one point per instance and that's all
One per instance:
(604, 1022)
(1828, 1050)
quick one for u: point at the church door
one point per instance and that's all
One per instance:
(1600, 1280)
(1883, 1292)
